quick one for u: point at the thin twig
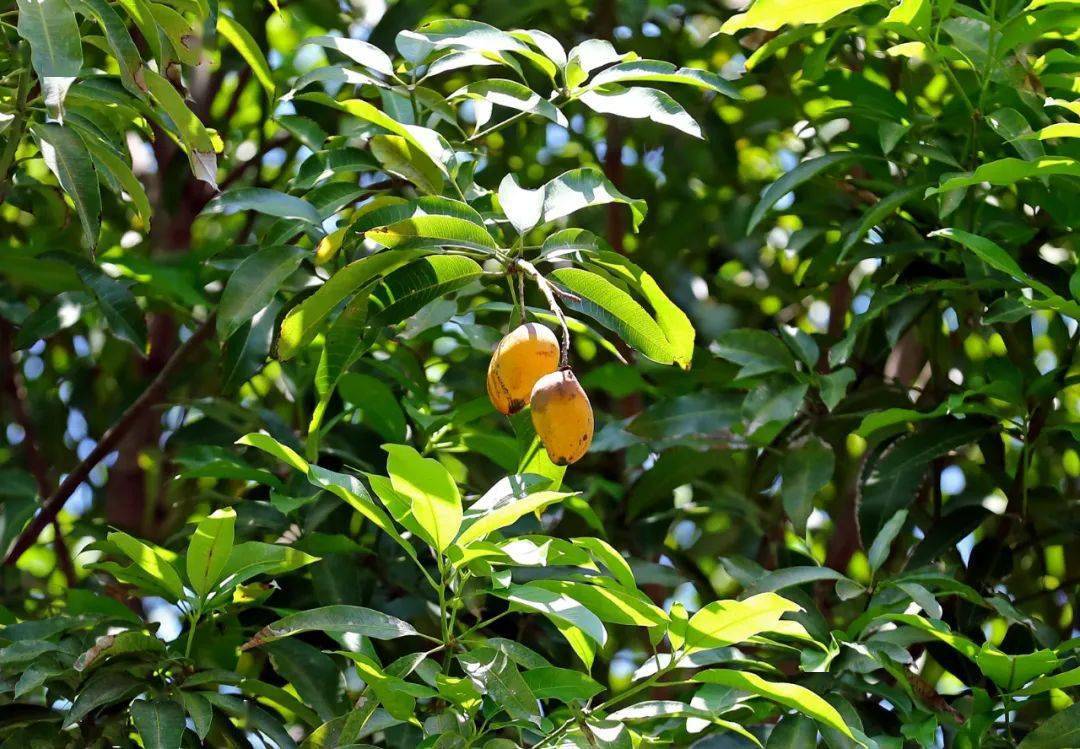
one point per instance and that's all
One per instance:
(51, 507)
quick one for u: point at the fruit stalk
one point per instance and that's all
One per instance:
(529, 269)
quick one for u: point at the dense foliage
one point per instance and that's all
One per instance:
(814, 264)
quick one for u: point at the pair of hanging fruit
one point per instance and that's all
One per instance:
(526, 368)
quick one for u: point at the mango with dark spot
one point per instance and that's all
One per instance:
(522, 357)
(562, 416)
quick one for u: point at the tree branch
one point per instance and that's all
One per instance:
(35, 461)
(51, 507)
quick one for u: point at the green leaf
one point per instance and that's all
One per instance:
(616, 310)
(104, 688)
(409, 289)
(160, 723)
(246, 350)
(368, 55)
(881, 210)
(891, 478)
(1010, 171)
(337, 619)
(994, 256)
(434, 231)
(499, 678)
(805, 470)
(581, 188)
(153, 560)
(323, 165)
(673, 321)
(563, 684)
(239, 37)
(793, 732)
(510, 94)
(349, 489)
(1061, 731)
(200, 711)
(52, 31)
(66, 156)
(120, 42)
(723, 623)
(117, 304)
(264, 200)
(1010, 672)
(610, 603)
(505, 514)
(272, 447)
(789, 695)
(431, 491)
(303, 321)
(376, 404)
(253, 285)
(406, 159)
(879, 550)
(106, 159)
(253, 558)
(770, 15)
(192, 133)
(558, 607)
(656, 71)
(209, 549)
(756, 351)
(790, 180)
(642, 103)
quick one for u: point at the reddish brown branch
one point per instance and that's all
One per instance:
(35, 461)
(52, 506)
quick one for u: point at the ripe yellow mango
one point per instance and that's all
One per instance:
(562, 417)
(522, 357)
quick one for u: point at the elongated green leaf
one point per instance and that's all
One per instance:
(1059, 732)
(409, 161)
(793, 732)
(616, 310)
(272, 447)
(642, 103)
(66, 156)
(264, 200)
(160, 723)
(120, 42)
(438, 231)
(558, 607)
(236, 35)
(563, 684)
(52, 30)
(1009, 171)
(881, 210)
(408, 289)
(510, 94)
(506, 514)
(106, 159)
(431, 491)
(673, 321)
(790, 695)
(303, 320)
(663, 72)
(611, 604)
(246, 350)
(581, 188)
(493, 672)
(192, 133)
(117, 304)
(154, 561)
(790, 180)
(252, 558)
(253, 284)
(879, 550)
(349, 489)
(770, 15)
(805, 470)
(994, 256)
(102, 689)
(337, 619)
(209, 549)
(722, 623)
(368, 55)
